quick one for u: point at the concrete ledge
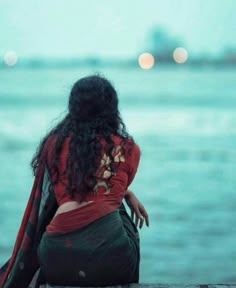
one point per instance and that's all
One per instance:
(157, 286)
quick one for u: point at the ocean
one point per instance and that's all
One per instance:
(184, 121)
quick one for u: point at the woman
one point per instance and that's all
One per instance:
(87, 238)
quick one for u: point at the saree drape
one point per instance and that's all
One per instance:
(20, 271)
(23, 270)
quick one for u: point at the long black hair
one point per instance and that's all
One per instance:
(92, 113)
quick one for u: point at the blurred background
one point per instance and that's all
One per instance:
(173, 64)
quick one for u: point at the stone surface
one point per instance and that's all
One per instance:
(157, 286)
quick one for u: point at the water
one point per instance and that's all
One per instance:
(185, 124)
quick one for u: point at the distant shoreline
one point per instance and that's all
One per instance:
(112, 66)
(41, 63)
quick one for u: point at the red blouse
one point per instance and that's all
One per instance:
(107, 197)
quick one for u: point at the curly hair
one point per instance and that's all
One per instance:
(92, 114)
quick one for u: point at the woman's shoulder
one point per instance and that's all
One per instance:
(128, 143)
(51, 142)
(119, 139)
(51, 139)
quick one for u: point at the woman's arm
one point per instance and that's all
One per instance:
(137, 209)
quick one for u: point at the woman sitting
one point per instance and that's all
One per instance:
(90, 240)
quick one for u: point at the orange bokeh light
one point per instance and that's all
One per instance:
(146, 60)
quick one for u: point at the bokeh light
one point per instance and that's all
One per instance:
(10, 58)
(180, 55)
(146, 60)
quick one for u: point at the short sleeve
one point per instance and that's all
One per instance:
(133, 162)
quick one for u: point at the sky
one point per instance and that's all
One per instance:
(113, 28)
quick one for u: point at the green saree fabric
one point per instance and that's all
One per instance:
(104, 252)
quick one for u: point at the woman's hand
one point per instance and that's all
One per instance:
(137, 209)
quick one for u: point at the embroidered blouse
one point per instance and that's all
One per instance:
(109, 192)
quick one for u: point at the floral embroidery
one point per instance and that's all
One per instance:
(104, 170)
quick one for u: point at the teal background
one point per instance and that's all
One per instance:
(186, 178)
(182, 116)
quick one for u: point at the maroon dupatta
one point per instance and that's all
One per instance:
(23, 266)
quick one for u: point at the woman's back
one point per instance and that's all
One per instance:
(75, 212)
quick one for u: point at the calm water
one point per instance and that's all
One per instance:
(185, 124)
